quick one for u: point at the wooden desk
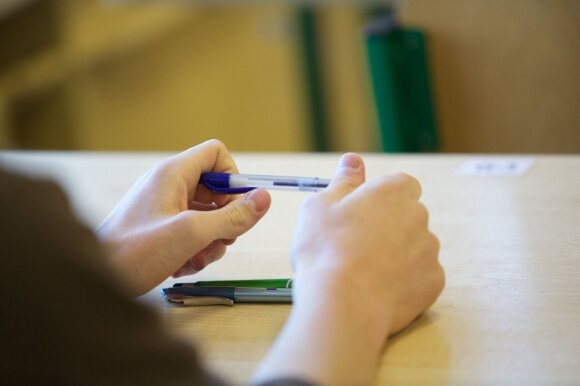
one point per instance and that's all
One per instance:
(511, 248)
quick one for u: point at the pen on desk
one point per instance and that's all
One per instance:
(226, 183)
(236, 294)
(256, 283)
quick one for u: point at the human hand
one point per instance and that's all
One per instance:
(168, 224)
(365, 267)
(370, 244)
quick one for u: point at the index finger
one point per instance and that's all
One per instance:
(211, 155)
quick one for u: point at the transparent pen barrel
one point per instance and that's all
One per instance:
(304, 184)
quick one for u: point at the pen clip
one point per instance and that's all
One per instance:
(198, 300)
(220, 183)
(199, 297)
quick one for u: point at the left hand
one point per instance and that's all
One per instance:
(168, 224)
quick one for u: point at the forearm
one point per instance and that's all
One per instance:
(329, 342)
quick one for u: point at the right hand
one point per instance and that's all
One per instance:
(168, 224)
(368, 244)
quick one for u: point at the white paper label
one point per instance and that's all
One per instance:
(495, 166)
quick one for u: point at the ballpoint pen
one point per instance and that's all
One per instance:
(234, 294)
(226, 183)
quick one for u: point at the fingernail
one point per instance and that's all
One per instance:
(259, 199)
(350, 160)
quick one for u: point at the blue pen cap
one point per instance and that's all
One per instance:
(220, 183)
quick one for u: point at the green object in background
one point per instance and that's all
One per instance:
(400, 80)
(313, 79)
(254, 283)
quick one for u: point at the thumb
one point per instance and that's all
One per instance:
(349, 175)
(233, 219)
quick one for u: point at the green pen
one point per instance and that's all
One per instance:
(253, 283)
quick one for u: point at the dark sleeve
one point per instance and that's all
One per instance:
(65, 319)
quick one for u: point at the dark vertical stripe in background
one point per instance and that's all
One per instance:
(313, 78)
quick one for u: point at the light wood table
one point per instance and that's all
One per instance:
(510, 313)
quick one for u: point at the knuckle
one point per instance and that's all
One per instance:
(415, 185)
(440, 279)
(236, 216)
(423, 213)
(216, 143)
(404, 182)
(429, 246)
(406, 178)
(435, 244)
(436, 277)
(412, 183)
(388, 184)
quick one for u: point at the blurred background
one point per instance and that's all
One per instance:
(406, 76)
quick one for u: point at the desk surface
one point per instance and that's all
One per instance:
(510, 313)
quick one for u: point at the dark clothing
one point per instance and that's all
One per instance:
(65, 318)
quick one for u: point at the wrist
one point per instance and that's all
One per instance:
(327, 340)
(123, 260)
(353, 303)
(340, 287)
(335, 330)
